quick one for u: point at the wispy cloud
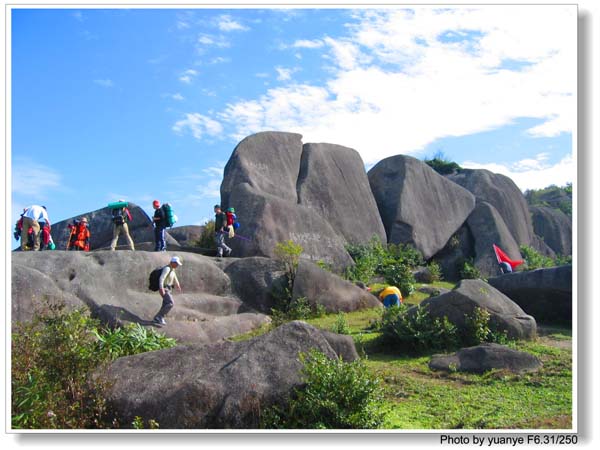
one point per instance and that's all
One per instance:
(285, 74)
(33, 180)
(188, 76)
(532, 173)
(177, 97)
(392, 74)
(227, 24)
(199, 125)
(106, 83)
(304, 43)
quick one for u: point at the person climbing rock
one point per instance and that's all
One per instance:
(166, 282)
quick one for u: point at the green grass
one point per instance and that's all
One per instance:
(420, 399)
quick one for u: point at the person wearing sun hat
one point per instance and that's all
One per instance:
(166, 282)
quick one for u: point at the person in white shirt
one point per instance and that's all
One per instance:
(31, 219)
(166, 282)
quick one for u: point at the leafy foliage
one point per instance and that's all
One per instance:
(335, 395)
(52, 358)
(553, 197)
(341, 324)
(442, 164)
(400, 275)
(468, 271)
(130, 340)
(207, 238)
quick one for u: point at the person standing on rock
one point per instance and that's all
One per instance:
(160, 223)
(31, 220)
(221, 232)
(391, 296)
(166, 282)
(120, 217)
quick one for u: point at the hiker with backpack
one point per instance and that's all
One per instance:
(32, 217)
(120, 217)
(160, 223)
(79, 239)
(163, 280)
(221, 230)
(391, 296)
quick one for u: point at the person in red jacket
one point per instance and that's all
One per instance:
(80, 236)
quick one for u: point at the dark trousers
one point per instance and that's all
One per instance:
(167, 304)
(159, 239)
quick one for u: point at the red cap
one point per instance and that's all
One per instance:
(155, 203)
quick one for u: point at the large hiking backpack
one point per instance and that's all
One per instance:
(170, 217)
(118, 216)
(154, 278)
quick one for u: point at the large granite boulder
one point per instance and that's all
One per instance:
(488, 228)
(316, 195)
(186, 235)
(502, 193)
(101, 229)
(554, 227)
(114, 287)
(334, 293)
(460, 248)
(418, 206)
(222, 385)
(485, 357)
(505, 315)
(546, 294)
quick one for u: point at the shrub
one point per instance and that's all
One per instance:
(534, 259)
(298, 309)
(468, 271)
(442, 165)
(341, 324)
(130, 340)
(417, 332)
(400, 275)
(335, 395)
(207, 238)
(52, 358)
(435, 270)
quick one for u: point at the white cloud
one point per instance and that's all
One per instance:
(208, 40)
(107, 83)
(398, 85)
(227, 24)
(219, 60)
(177, 97)
(533, 173)
(285, 74)
(33, 180)
(198, 125)
(188, 76)
(305, 43)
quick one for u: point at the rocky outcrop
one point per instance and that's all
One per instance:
(504, 195)
(505, 315)
(316, 195)
(546, 294)
(417, 205)
(486, 357)
(488, 228)
(186, 235)
(554, 227)
(101, 229)
(223, 385)
(114, 287)
(460, 248)
(334, 293)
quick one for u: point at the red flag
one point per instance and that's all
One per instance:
(503, 257)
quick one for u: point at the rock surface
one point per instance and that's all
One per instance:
(505, 315)
(417, 205)
(222, 385)
(504, 195)
(554, 227)
(486, 357)
(488, 228)
(186, 235)
(546, 294)
(316, 195)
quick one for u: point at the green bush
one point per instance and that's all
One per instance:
(341, 324)
(335, 395)
(479, 329)
(417, 332)
(400, 275)
(435, 270)
(468, 271)
(207, 238)
(130, 340)
(442, 165)
(52, 357)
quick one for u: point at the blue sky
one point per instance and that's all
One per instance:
(143, 103)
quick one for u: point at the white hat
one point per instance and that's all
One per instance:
(175, 259)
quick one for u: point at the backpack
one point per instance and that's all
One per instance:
(118, 216)
(154, 278)
(170, 217)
